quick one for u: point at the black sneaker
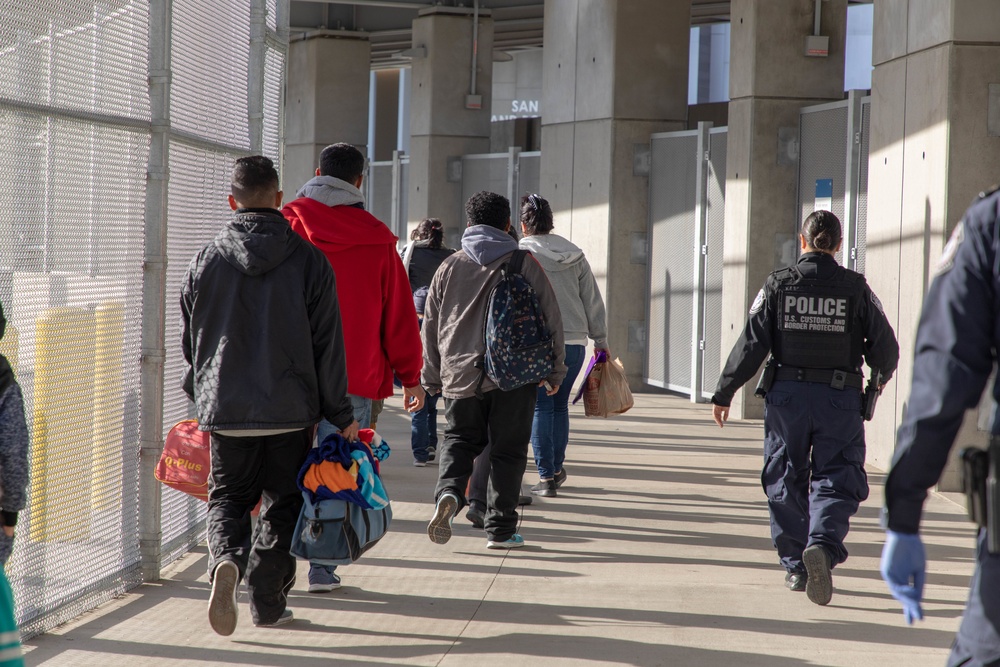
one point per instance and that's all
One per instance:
(819, 581)
(431, 453)
(476, 516)
(796, 581)
(560, 477)
(545, 488)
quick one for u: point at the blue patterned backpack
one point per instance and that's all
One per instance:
(518, 344)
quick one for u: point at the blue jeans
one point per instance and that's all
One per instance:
(363, 415)
(550, 428)
(423, 428)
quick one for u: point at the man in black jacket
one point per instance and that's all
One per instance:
(261, 333)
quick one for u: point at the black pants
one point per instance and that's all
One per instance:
(978, 640)
(502, 419)
(244, 469)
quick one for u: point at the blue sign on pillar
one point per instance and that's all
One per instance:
(824, 195)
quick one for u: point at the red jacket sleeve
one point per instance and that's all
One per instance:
(401, 331)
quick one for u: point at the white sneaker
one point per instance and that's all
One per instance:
(439, 528)
(223, 611)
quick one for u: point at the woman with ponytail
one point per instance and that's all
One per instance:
(422, 257)
(583, 316)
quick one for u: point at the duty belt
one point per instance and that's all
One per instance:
(834, 378)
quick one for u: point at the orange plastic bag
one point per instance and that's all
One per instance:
(606, 391)
(187, 460)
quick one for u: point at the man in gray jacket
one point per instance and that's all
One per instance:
(261, 334)
(454, 347)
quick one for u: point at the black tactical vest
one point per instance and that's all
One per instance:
(817, 321)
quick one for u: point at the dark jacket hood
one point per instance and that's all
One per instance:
(256, 241)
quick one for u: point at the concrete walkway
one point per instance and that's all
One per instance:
(656, 552)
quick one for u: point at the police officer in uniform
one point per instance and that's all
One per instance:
(956, 348)
(817, 319)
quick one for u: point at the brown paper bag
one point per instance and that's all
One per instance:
(606, 390)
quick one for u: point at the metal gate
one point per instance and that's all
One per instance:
(687, 185)
(387, 187)
(833, 170)
(513, 174)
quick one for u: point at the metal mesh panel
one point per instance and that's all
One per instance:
(671, 259)
(714, 237)
(529, 174)
(272, 14)
(862, 215)
(85, 56)
(71, 258)
(483, 172)
(197, 209)
(210, 63)
(822, 156)
(274, 66)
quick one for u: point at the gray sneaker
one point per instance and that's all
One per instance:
(439, 528)
(286, 617)
(223, 611)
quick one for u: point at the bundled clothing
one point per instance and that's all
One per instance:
(380, 330)
(343, 470)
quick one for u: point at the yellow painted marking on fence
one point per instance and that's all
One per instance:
(63, 425)
(109, 414)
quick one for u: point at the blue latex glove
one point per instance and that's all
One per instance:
(904, 565)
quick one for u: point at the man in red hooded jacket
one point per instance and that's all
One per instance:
(381, 334)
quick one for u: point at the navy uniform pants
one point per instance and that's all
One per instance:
(978, 640)
(814, 476)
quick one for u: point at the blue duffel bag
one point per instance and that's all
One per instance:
(337, 532)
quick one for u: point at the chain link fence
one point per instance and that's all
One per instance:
(117, 148)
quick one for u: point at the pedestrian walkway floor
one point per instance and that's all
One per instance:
(656, 552)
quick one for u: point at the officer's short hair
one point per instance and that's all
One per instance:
(342, 161)
(822, 230)
(488, 208)
(255, 181)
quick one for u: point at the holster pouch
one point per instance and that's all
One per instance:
(766, 378)
(871, 394)
(981, 485)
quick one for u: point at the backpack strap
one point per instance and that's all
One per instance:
(516, 261)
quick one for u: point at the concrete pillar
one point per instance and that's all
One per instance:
(614, 72)
(329, 76)
(445, 121)
(935, 143)
(770, 80)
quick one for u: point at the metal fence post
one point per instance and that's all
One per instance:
(513, 177)
(255, 78)
(398, 225)
(700, 250)
(852, 179)
(154, 289)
